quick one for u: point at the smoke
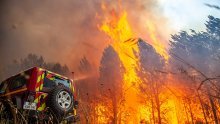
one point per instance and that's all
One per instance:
(63, 31)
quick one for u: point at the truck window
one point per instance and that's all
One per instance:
(55, 81)
(48, 83)
(3, 87)
(60, 81)
(18, 82)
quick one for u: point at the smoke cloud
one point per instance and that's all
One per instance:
(65, 31)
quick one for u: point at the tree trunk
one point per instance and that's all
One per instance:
(152, 106)
(203, 111)
(190, 110)
(186, 111)
(115, 110)
(158, 108)
(213, 109)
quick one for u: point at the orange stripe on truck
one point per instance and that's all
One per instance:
(13, 92)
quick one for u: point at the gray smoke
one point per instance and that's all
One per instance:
(60, 30)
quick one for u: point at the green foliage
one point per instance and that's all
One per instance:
(198, 55)
(201, 49)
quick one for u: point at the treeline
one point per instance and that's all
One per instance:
(185, 89)
(189, 80)
(32, 60)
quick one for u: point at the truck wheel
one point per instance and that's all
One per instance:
(60, 101)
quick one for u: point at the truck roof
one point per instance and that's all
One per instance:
(38, 68)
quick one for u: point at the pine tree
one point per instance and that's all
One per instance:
(151, 65)
(111, 79)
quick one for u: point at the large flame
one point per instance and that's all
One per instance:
(124, 41)
(119, 30)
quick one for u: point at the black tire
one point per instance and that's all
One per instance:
(53, 104)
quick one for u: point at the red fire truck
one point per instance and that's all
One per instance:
(38, 96)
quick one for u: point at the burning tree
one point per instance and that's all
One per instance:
(88, 94)
(123, 40)
(150, 71)
(111, 83)
(200, 51)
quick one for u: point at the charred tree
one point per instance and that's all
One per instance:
(111, 80)
(152, 80)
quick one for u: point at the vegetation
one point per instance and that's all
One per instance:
(184, 89)
(32, 60)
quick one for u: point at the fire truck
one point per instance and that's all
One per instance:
(38, 96)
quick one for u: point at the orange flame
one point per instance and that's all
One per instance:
(121, 34)
(119, 30)
(159, 47)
